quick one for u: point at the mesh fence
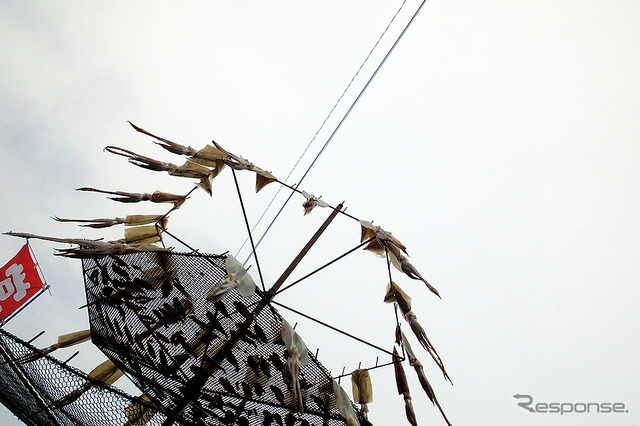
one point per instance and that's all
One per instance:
(43, 391)
(199, 363)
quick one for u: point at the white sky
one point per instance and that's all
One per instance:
(498, 142)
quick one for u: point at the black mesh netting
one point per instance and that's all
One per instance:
(199, 363)
(33, 386)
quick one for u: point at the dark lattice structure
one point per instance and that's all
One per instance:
(32, 386)
(199, 363)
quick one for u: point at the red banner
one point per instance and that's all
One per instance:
(19, 282)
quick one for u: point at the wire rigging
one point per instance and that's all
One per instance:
(318, 132)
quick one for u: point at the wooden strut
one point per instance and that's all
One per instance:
(274, 289)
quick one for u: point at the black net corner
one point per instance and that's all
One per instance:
(41, 390)
(197, 362)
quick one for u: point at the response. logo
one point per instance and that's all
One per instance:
(562, 408)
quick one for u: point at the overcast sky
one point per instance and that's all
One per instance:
(499, 143)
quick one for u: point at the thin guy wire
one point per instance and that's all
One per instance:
(320, 129)
(343, 119)
(332, 327)
(246, 221)
(324, 266)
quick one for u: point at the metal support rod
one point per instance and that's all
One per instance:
(273, 290)
(333, 328)
(193, 250)
(295, 189)
(325, 265)
(374, 367)
(9, 317)
(35, 337)
(19, 372)
(246, 221)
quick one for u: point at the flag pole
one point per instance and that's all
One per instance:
(45, 287)
(6, 319)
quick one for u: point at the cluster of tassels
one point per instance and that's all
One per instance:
(396, 295)
(297, 356)
(384, 243)
(362, 389)
(64, 341)
(401, 379)
(143, 231)
(139, 413)
(91, 248)
(403, 388)
(237, 277)
(311, 201)
(104, 374)
(204, 164)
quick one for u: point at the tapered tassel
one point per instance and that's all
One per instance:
(141, 160)
(311, 201)
(131, 220)
(263, 178)
(384, 240)
(422, 378)
(409, 411)
(72, 396)
(413, 361)
(136, 197)
(110, 248)
(396, 294)
(106, 373)
(237, 277)
(170, 146)
(291, 376)
(402, 339)
(197, 171)
(344, 405)
(209, 156)
(297, 356)
(64, 340)
(139, 413)
(420, 334)
(90, 248)
(163, 274)
(189, 169)
(74, 338)
(235, 161)
(362, 389)
(93, 223)
(166, 197)
(401, 263)
(146, 234)
(403, 388)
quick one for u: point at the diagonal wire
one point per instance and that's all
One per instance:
(246, 221)
(341, 121)
(331, 327)
(319, 130)
(325, 265)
